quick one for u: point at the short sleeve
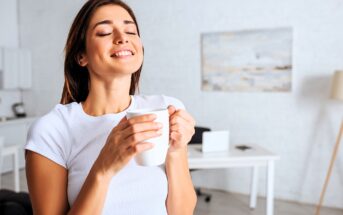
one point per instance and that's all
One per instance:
(48, 137)
(173, 101)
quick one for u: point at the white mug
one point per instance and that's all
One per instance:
(156, 155)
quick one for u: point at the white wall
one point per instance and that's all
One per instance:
(9, 37)
(43, 29)
(300, 126)
(8, 23)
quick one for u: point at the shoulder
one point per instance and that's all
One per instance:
(56, 119)
(144, 101)
(50, 135)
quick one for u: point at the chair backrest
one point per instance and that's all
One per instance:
(197, 137)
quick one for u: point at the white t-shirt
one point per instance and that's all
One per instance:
(73, 139)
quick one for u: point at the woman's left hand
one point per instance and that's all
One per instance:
(181, 126)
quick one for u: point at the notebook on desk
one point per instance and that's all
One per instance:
(215, 141)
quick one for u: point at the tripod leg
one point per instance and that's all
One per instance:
(333, 158)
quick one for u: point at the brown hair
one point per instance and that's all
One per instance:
(76, 77)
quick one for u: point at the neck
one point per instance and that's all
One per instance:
(110, 97)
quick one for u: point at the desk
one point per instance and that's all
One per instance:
(12, 150)
(254, 158)
(14, 132)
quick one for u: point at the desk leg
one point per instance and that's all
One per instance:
(1, 157)
(253, 187)
(16, 171)
(270, 188)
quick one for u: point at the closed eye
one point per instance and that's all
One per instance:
(131, 33)
(103, 34)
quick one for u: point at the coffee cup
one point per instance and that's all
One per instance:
(157, 154)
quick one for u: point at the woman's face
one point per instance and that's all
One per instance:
(113, 46)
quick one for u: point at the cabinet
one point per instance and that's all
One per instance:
(15, 69)
(9, 35)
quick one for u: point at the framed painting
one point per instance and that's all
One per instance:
(247, 61)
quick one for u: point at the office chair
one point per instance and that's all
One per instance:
(197, 139)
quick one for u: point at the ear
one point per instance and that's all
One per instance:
(82, 60)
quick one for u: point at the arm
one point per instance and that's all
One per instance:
(92, 196)
(47, 181)
(181, 199)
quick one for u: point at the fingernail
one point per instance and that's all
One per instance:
(159, 131)
(159, 125)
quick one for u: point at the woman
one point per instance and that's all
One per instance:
(79, 156)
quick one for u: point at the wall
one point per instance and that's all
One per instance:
(9, 23)
(300, 126)
(9, 37)
(43, 30)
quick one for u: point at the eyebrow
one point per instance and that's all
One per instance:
(108, 22)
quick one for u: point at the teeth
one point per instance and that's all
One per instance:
(123, 53)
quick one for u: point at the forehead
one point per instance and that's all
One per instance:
(110, 12)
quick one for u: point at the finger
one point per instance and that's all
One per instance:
(180, 120)
(182, 128)
(185, 131)
(141, 127)
(140, 119)
(143, 136)
(171, 110)
(141, 147)
(120, 126)
(185, 115)
(131, 150)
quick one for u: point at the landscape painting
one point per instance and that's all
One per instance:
(247, 61)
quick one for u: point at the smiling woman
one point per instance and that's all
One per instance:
(82, 151)
(104, 29)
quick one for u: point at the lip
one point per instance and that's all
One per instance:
(120, 50)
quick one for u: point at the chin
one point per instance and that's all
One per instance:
(125, 71)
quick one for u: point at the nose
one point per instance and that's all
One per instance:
(120, 39)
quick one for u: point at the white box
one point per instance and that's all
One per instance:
(215, 141)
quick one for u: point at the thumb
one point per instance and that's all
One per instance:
(171, 109)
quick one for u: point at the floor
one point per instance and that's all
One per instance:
(222, 203)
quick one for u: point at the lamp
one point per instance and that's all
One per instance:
(336, 93)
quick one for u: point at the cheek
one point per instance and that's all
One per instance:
(95, 49)
(139, 61)
(140, 51)
(140, 57)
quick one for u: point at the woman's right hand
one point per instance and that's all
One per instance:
(125, 141)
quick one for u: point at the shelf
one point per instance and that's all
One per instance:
(13, 121)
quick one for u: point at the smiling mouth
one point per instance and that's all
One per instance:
(123, 53)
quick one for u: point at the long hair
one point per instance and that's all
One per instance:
(76, 77)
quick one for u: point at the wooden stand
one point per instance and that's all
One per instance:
(333, 158)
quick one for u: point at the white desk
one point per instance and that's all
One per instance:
(254, 157)
(12, 150)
